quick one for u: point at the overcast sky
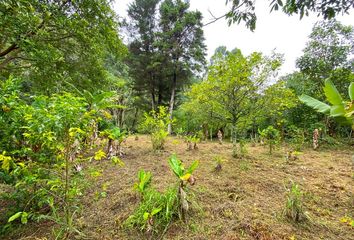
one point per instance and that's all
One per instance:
(287, 35)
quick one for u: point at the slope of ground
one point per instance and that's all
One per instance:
(245, 200)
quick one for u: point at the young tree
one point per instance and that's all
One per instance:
(231, 92)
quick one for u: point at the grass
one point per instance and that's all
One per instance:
(243, 201)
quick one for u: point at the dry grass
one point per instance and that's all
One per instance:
(245, 200)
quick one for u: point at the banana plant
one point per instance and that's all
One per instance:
(185, 176)
(114, 134)
(144, 181)
(148, 218)
(342, 111)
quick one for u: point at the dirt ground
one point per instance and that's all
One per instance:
(245, 200)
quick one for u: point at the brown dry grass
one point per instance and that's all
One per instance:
(245, 200)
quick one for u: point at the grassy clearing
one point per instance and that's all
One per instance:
(244, 200)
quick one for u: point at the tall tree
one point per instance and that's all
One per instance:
(144, 67)
(49, 42)
(329, 54)
(181, 41)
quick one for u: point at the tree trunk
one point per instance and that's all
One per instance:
(153, 100)
(172, 101)
(135, 118)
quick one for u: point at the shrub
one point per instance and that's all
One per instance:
(271, 137)
(297, 138)
(42, 137)
(156, 124)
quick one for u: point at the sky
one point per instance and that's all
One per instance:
(274, 31)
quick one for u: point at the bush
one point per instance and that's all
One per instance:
(271, 137)
(41, 138)
(156, 124)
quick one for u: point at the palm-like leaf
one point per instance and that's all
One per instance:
(351, 91)
(332, 93)
(315, 104)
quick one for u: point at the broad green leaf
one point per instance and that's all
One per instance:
(332, 93)
(337, 111)
(15, 216)
(314, 103)
(176, 165)
(351, 91)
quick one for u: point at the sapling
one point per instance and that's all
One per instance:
(156, 123)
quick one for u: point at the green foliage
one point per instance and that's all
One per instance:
(179, 170)
(42, 137)
(156, 124)
(144, 181)
(49, 43)
(231, 92)
(294, 203)
(155, 212)
(340, 110)
(296, 137)
(244, 11)
(192, 141)
(166, 48)
(271, 137)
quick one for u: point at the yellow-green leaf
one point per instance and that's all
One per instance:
(185, 177)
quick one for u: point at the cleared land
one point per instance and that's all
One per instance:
(245, 200)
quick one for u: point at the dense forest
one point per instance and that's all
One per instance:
(122, 128)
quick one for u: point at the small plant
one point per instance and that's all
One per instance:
(218, 163)
(115, 138)
(192, 142)
(156, 124)
(271, 137)
(144, 181)
(239, 150)
(292, 156)
(185, 176)
(155, 212)
(99, 155)
(294, 203)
